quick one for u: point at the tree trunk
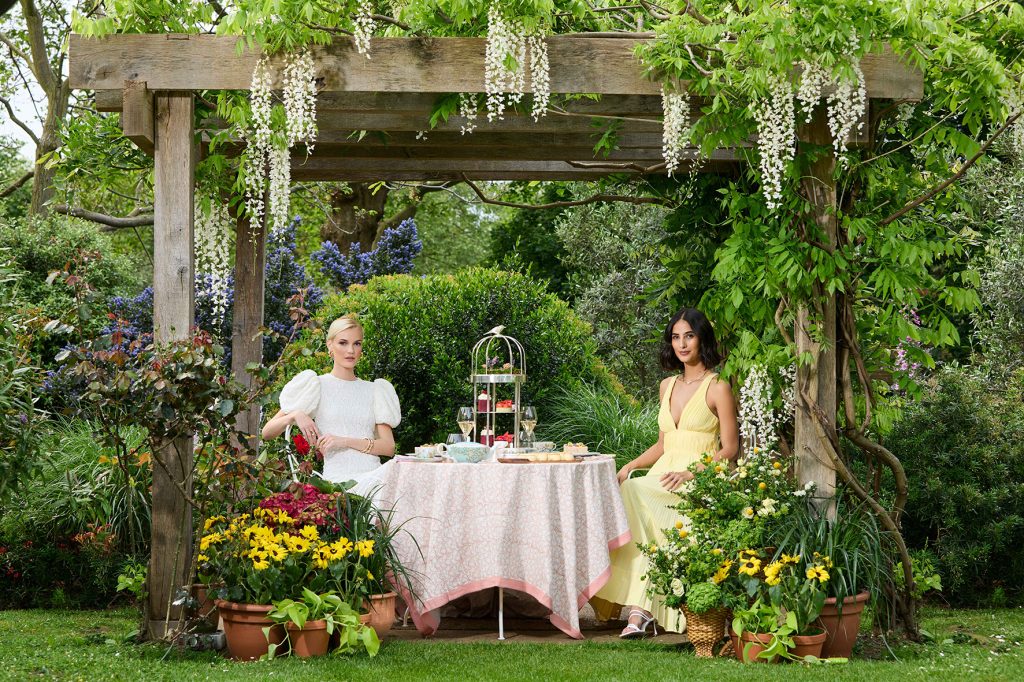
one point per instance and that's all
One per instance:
(815, 331)
(49, 140)
(355, 216)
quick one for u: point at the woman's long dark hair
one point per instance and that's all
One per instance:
(700, 325)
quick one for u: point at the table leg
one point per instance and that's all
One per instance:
(501, 613)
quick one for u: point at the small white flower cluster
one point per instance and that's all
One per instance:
(813, 80)
(300, 99)
(1014, 102)
(213, 230)
(788, 376)
(468, 111)
(540, 75)
(504, 86)
(675, 132)
(846, 107)
(258, 139)
(758, 421)
(776, 133)
(268, 159)
(363, 25)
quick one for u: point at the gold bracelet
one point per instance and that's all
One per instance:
(369, 446)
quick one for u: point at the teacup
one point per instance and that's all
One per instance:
(430, 451)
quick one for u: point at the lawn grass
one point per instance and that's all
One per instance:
(88, 645)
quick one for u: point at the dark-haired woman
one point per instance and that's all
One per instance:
(697, 417)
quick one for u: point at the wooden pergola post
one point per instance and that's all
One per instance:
(173, 315)
(246, 347)
(817, 380)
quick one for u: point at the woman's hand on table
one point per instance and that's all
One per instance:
(307, 426)
(673, 479)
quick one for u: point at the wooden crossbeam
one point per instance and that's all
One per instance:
(579, 64)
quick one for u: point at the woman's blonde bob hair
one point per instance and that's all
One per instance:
(343, 323)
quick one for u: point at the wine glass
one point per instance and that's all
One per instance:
(529, 422)
(465, 421)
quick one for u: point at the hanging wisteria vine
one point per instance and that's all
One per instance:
(213, 251)
(776, 135)
(675, 127)
(505, 86)
(759, 423)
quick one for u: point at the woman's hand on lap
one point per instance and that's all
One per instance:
(673, 479)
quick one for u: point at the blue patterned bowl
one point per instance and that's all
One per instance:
(469, 453)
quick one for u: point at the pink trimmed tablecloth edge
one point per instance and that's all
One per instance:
(425, 615)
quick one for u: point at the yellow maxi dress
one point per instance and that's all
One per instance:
(650, 508)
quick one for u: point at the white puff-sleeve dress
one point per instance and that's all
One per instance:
(342, 407)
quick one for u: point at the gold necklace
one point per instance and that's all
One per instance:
(691, 381)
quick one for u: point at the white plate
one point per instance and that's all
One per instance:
(414, 458)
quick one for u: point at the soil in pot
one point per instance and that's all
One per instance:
(243, 629)
(842, 629)
(310, 640)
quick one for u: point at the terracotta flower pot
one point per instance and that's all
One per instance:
(808, 645)
(243, 628)
(310, 640)
(841, 630)
(381, 611)
(705, 630)
(751, 646)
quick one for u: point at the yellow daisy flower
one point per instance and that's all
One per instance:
(341, 547)
(277, 552)
(202, 557)
(364, 547)
(309, 532)
(772, 572)
(790, 559)
(750, 566)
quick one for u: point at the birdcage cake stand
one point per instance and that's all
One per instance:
(498, 360)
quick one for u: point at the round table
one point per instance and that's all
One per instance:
(545, 529)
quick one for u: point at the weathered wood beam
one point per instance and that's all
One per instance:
(579, 65)
(137, 115)
(247, 316)
(341, 174)
(173, 314)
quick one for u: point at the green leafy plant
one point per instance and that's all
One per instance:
(703, 597)
(926, 576)
(133, 580)
(338, 614)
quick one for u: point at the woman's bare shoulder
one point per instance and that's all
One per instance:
(665, 383)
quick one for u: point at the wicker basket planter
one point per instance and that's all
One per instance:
(705, 630)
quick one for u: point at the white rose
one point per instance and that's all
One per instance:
(677, 587)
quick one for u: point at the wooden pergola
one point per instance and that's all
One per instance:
(151, 80)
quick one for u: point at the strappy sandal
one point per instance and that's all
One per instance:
(639, 631)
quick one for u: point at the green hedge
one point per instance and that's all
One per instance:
(420, 331)
(963, 448)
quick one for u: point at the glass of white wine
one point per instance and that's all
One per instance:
(465, 421)
(529, 423)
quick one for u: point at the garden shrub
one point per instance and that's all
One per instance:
(393, 254)
(36, 247)
(963, 448)
(420, 332)
(65, 536)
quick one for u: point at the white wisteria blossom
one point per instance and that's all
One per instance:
(540, 75)
(675, 131)
(846, 107)
(213, 251)
(776, 133)
(759, 422)
(505, 84)
(813, 80)
(468, 111)
(363, 25)
(268, 159)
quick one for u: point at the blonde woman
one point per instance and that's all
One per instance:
(348, 419)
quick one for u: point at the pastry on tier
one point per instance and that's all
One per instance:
(573, 449)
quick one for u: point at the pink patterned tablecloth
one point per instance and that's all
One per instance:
(542, 529)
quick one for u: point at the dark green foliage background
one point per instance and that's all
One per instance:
(963, 449)
(420, 331)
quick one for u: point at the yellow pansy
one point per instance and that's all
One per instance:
(772, 571)
(750, 566)
(341, 547)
